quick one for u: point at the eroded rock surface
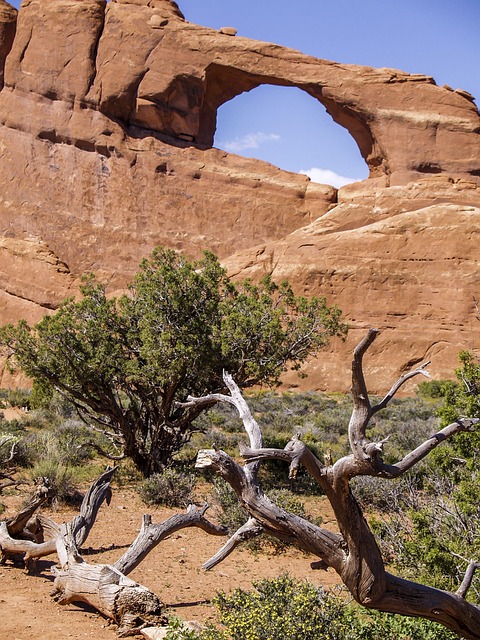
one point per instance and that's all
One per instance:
(107, 118)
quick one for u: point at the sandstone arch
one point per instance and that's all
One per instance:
(222, 86)
(170, 77)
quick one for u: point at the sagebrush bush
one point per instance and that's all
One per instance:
(231, 515)
(65, 443)
(15, 398)
(172, 488)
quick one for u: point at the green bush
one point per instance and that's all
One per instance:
(177, 630)
(15, 398)
(289, 609)
(172, 488)
(231, 515)
(280, 608)
(65, 444)
(435, 389)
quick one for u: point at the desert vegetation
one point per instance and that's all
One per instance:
(425, 523)
(127, 364)
(142, 380)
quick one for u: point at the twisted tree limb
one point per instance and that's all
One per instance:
(151, 535)
(353, 553)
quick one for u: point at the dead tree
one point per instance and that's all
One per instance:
(33, 537)
(106, 587)
(353, 553)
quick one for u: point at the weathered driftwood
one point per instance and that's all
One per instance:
(36, 538)
(117, 597)
(353, 553)
(152, 534)
(17, 524)
(106, 587)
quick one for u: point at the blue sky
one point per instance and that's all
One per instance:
(289, 128)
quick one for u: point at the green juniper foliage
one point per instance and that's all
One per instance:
(126, 363)
(429, 524)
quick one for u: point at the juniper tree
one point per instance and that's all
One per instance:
(127, 363)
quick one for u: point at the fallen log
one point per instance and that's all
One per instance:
(129, 604)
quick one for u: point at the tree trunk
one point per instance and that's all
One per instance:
(127, 603)
(353, 553)
(106, 587)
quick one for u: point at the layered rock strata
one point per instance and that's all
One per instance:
(107, 118)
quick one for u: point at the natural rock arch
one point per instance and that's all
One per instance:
(170, 76)
(221, 86)
(102, 116)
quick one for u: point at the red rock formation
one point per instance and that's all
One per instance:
(8, 23)
(107, 118)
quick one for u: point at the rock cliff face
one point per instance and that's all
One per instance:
(107, 118)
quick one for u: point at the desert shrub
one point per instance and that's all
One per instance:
(436, 527)
(63, 480)
(172, 488)
(298, 610)
(178, 630)
(376, 625)
(231, 514)
(279, 608)
(15, 398)
(66, 444)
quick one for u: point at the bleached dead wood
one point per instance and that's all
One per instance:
(127, 603)
(151, 535)
(16, 533)
(106, 587)
(353, 553)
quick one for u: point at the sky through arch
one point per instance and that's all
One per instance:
(290, 129)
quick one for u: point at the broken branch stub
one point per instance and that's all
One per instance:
(16, 539)
(129, 604)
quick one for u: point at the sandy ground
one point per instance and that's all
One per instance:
(172, 570)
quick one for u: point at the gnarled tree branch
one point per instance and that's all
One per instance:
(151, 535)
(353, 553)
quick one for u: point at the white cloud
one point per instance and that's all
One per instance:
(249, 141)
(327, 176)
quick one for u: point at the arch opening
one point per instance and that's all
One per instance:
(290, 129)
